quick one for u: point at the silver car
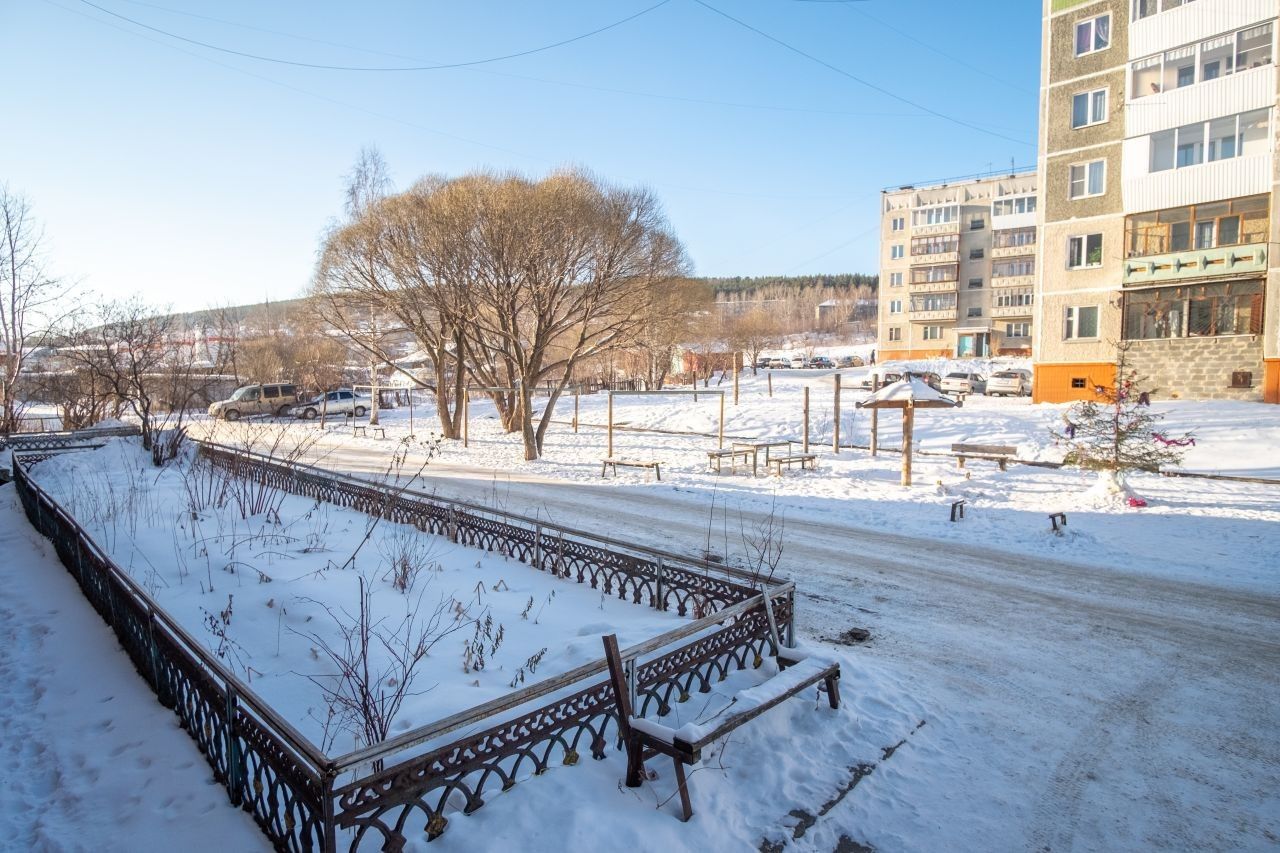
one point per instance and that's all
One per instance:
(1010, 382)
(341, 402)
(963, 382)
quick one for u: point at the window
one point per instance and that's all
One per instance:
(1084, 251)
(977, 254)
(943, 272)
(977, 223)
(935, 244)
(1079, 382)
(1202, 310)
(975, 312)
(1093, 35)
(895, 306)
(899, 223)
(1201, 62)
(1089, 108)
(1007, 206)
(933, 333)
(895, 333)
(895, 251)
(1020, 299)
(934, 302)
(1013, 237)
(1013, 267)
(895, 279)
(1080, 322)
(1088, 179)
(975, 284)
(1017, 330)
(935, 215)
(1239, 135)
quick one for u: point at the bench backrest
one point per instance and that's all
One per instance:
(999, 449)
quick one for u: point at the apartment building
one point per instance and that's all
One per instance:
(957, 267)
(1157, 157)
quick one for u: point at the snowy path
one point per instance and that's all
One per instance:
(1087, 706)
(90, 760)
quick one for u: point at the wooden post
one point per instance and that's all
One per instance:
(835, 428)
(575, 411)
(466, 418)
(806, 419)
(770, 383)
(373, 406)
(875, 418)
(737, 368)
(410, 412)
(908, 427)
(722, 420)
(609, 454)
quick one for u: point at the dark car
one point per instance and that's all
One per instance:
(821, 362)
(929, 378)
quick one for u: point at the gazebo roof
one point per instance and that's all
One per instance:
(915, 393)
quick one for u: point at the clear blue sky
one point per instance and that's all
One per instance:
(194, 177)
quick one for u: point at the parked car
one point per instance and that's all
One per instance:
(799, 362)
(821, 362)
(964, 382)
(929, 378)
(341, 402)
(1006, 382)
(274, 399)
(779, 362)
(886, 377)
(764, 361)
(849, 361)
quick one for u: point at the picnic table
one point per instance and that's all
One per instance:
(756, 446)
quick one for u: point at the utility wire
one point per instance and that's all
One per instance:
(842, 72)
(323, 67)
(957, 60)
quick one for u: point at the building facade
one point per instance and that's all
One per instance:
(957, 267)
(1157, 157)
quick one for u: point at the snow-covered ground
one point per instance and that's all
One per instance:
(1112, 688)
(91, 760)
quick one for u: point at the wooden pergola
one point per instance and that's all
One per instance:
(666, 393)
(907, 395)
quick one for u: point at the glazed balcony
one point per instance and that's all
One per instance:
(934, 286)
(1003, 311)
(999, 252)
(1013, 280)
(1235, 261)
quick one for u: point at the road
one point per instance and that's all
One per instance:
(1076, 707)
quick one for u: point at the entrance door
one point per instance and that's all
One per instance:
(973, 345)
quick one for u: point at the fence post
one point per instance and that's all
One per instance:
(329, 844)
(537, 547)
(657, 589)
(835, 424)
(234, 759)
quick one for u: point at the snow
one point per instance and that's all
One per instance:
(914, 390)
(92, 761)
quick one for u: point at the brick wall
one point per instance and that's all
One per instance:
(1199, 368)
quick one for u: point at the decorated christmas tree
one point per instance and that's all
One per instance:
(1117, 432)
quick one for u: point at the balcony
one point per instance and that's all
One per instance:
(951, 257)
(942, 228)
(932, 315)
(1002, 311)
(1027, 250)
(1013, 280)
(933, 287)
(1234, 261)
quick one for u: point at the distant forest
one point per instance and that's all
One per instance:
(746, 285)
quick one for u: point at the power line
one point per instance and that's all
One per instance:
(323, 67)
(944, 54)
(842, 72)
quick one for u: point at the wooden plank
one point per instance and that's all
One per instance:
(735, 720)
(971, 449)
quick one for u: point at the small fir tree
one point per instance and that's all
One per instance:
(1118, 433)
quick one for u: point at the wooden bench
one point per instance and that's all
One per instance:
(645, 738)
(360, 429)
(606, 464)
(1058, 520)
(957, 510)
(715, 458)
(995, 452)
(804, 460)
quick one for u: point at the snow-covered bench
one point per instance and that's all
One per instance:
(1001, 453)
(804, 460)
(606, 464)
(715, 458)
(645, 738)
(362, 430)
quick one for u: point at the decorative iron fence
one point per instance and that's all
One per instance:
(378, 797)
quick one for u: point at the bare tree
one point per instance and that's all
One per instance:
(754, 332)
(28, 295)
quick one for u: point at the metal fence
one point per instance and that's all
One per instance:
(378, 797)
